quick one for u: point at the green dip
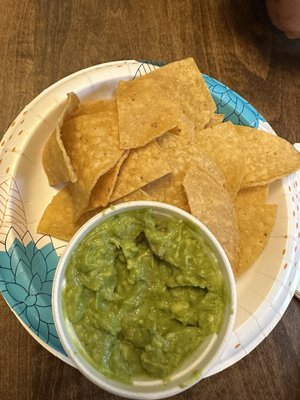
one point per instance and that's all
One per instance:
(142, 292)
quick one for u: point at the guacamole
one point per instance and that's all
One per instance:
(142, 292)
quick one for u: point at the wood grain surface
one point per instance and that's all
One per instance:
(232, 40)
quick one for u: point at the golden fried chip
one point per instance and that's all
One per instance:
(184, 84)
(182, 154)
(103, 189)
(226, 149)
(93, 107)
(206, 164)
(256, 194)
(211, 204)
(56, 161)
(169, 189)
(269, 157)
(139, 194)
(58, 220)
(215, 119)
(255, 221)
(144, 112)
(93, 147)
(143, 165)
(185, 129)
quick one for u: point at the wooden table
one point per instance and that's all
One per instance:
(231, 40)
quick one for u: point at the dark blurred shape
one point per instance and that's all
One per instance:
(285, 15)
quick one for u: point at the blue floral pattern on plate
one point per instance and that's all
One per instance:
(232, 105)
(27, 266)
(26, 277)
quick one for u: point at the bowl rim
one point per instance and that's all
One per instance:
(101, 380)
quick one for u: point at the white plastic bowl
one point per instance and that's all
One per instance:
(193, 368)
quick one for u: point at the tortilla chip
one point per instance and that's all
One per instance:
(56, 161)
(182, 154)
(58, 218)
(185, 129)
(211, 204)
(143, 165)
(156, 113)
(226, 149)
(93, 107)
(206, 164)
(93, 146)
(169, 189)
(139, 194)
(255, 194)
(269, 157)
(184, 84)
(215, 119)
(134, 196)
(103, 189)
(255, 221)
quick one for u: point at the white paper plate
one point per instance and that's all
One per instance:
(28, 260)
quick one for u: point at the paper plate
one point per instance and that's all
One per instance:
(28, 260)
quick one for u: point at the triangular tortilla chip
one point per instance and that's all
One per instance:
(143, 165)
(268, 157)
(58, 219)
(157, 114)
(226, 149)
(255, 221)
(185, 85)
(211, 204)
(185, 129)
(56, 161)
(183, 151)
(103, 189)
(93, 107)
(139, 194)
(169, 189)
(182, 154)
(93, 146)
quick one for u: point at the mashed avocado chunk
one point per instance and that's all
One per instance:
(142, 292)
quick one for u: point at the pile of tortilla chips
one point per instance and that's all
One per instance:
(159, 139)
